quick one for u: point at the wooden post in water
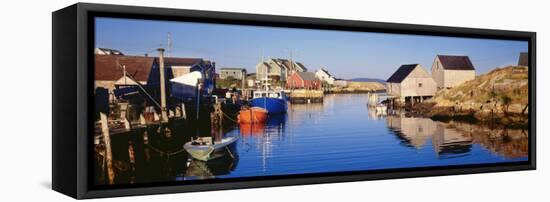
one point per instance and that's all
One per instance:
(108, 151)
(216, 118)
(198, 100)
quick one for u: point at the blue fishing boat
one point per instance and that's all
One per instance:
(271, 100)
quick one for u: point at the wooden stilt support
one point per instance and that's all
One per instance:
(126, 124)
(142, 120)
(145, 137)
(108, 151)
(156, 117)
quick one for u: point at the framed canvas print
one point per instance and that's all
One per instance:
(154, 100)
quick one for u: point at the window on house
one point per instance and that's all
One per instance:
(420, 85)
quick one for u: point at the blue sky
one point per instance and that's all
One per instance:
(345, 54)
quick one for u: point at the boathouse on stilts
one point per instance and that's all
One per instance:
(410, 84)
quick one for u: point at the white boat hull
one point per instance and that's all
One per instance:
(210, 151)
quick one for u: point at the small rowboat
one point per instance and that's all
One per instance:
(252, 115)
(203, 149)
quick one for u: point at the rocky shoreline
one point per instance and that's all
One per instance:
(488, 117)
(498, 97)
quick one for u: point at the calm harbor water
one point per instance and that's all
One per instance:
(340, 134)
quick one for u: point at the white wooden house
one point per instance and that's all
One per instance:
(278, 69)
(235, 73)
(449, 71)
(411, 83)
(325, 76)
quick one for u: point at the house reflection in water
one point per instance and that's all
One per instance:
(455, 139)
(449, 142)
(300, 114)
(416, 132)
(413, 132)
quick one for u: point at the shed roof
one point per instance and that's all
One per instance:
(523, 59)
(307, 75)
(301, 66)
(288, 64)
(453, 62)
(401, 73)
(173, 61)
(107, 69)
(326, 72)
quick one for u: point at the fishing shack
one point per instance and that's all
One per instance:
(410, 83)
(450, 71)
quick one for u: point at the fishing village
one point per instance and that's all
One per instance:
(156, 109)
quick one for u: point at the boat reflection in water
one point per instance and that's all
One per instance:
(456, 139)
(334, 136)
(263, 135)
(197, 169)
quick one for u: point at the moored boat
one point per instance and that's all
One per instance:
(252, 115)
(274, 102)
(204, 149)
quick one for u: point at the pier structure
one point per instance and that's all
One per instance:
(306, 96)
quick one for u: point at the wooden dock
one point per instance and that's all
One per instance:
(306, 96)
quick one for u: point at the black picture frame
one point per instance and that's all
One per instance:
(72, 84)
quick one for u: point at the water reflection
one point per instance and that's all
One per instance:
(264, 135)
(207, 170)
(341, 134)
(455, 139)
(412, 131)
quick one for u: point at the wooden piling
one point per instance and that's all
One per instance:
(108, 151)
(164, 115)
(216, 120)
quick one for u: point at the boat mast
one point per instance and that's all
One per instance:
(266, 88)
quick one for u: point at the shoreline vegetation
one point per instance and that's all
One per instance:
(499, 97)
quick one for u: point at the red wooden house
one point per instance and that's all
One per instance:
(303, 80)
